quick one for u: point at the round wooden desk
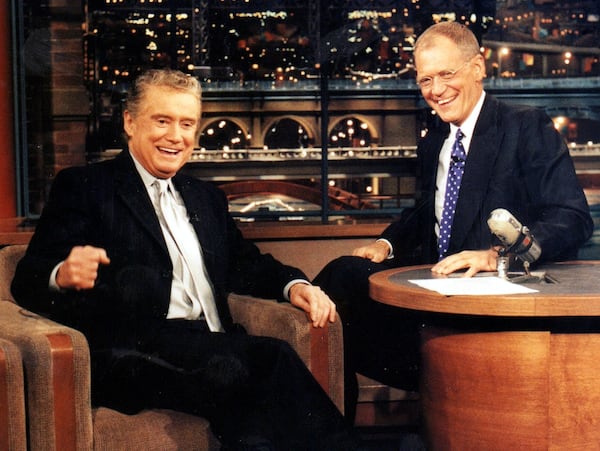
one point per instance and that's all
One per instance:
(530, 387)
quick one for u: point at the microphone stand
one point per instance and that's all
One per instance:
(502, 263)
(503, 268)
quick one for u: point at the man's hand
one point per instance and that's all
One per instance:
(376, 252)
(313, 301)
(474, 261)
(80, 269)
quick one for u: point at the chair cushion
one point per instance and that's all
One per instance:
(151, 430)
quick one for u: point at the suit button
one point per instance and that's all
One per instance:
(166, 275)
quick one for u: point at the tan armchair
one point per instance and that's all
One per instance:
(56, 365)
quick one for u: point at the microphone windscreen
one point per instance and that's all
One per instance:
(505, 226)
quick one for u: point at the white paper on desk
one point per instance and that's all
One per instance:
(472, 286)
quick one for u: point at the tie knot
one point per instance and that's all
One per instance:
(458, 151)
(161, 185)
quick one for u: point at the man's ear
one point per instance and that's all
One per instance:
(127, 123)
(479, 67)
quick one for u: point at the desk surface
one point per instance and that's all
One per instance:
(576, 293)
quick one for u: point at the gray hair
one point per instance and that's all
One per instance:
(168, 78)
(456, 32)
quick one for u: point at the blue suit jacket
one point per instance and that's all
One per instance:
(517, 161)
(106, 205)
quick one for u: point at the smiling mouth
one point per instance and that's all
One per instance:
(168, 150)
(443, 102)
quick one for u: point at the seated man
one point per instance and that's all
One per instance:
(482, 155)
(140, 258)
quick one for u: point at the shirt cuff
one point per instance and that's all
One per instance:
(286, 289)
(391, 254)
(52, 282)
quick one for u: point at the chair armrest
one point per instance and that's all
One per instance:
(321, 349)
(12, 398)
(56, 363)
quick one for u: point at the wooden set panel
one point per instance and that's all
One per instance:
(511, 390)
(486, 390)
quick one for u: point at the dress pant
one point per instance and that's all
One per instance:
(380, 341)
(247, 387)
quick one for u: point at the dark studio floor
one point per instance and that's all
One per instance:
(391, 439)
(388, 419)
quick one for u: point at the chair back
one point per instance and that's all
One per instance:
(9, 257)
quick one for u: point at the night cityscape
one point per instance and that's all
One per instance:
(293, 41)
(276, 73)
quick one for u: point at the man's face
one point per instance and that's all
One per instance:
(163, 133)
(452, 97)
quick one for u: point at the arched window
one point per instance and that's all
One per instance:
(350, 132)
(223, 134)
(287, 133)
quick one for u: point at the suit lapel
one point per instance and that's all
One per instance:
(483, 151)
(429, 152)
(132, 192)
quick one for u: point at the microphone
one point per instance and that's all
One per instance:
(514, 236)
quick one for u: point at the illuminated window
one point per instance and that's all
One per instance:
(350, 132)
(223, 135)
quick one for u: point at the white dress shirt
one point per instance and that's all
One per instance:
(467, 128)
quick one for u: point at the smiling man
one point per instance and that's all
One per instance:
(482, 154)
(162, 133)
(141, 258)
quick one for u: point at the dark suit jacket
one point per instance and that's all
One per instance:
(106, 205)
(517, 161)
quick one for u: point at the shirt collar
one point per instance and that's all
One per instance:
(147, 178)
(468, 126)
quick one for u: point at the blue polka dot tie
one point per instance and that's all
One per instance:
(455, 173)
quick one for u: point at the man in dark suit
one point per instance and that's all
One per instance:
(513, 159)
(147, 281)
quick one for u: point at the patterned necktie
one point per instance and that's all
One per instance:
(455, 173)
(187, 257)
